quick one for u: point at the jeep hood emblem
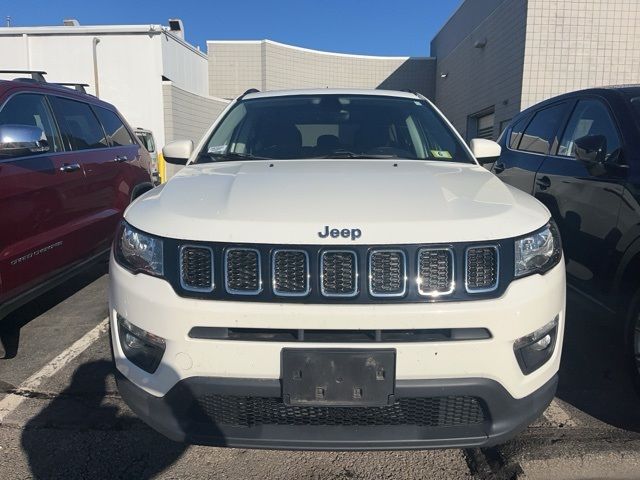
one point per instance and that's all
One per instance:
(353, 233)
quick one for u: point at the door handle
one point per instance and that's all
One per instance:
(499, 167)
(543, 182)
(120, 159)
(70, 167)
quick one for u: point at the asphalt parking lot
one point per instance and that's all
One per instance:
(61, 416)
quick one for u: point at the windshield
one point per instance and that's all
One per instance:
(333, 126)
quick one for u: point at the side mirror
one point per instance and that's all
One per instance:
(485, 151)
(20, 140)
(178, 152)
(591, 149)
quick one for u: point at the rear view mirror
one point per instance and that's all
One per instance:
(21, 140)
(178, 152)
(485, 151)
(591, 149)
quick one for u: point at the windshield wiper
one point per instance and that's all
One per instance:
(348, 154)
(228, 157)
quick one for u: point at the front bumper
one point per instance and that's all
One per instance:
(179, 415)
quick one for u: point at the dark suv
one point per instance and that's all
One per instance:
(69, 166)
(579, 154)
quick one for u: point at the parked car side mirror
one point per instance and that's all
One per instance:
(17, 140)
(591, 149)
(485, 151)
(178, 152)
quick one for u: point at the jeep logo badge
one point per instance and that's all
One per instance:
(353, 233)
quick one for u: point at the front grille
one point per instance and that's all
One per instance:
(387, 273)
(242, 271)
(482, 269)
(435, 271)
(196, 268)
(339, 272)
(290, 273)
(240, 411)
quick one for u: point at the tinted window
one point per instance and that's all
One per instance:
(80, 127)
(30, 109)
(540, 133)
(516, 132)
(116, 131)
(342, 126)
(590, 117)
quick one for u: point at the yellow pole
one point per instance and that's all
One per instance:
(162, 168)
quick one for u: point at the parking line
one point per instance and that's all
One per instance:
(557, 414)
(13, 400)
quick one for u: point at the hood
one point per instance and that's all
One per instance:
(292, 201)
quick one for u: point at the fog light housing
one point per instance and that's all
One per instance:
(143, 349)
(534, 350)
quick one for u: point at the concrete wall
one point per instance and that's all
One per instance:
(580, 44)
(235, 67)
(186, 115)
(481, 79)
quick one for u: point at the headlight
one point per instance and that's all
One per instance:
(137, 251)
(538, 252)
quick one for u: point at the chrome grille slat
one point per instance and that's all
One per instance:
(242, 271)
(482, 266)
(339, 273)
(196, 268)
(387, 273)
(290, 273)
(435, 272)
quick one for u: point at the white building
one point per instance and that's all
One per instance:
(149, 72)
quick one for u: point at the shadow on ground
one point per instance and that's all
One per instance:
(594, 374)
(85, 432)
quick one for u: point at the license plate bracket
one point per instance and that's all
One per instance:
(338, 377)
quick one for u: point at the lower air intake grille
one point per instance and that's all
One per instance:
(242, 271)
(435, 271)
(290, 273)
(482, 269)
(196, 268)
(339, 274)
(254, 411)
(387, 273)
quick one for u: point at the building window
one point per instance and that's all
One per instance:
(480, 125)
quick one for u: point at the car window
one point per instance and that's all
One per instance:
(541, 131)
(79, 126)
(590, 117)
(325, 126)
(516, 132)
(32, 109)
(113, 126)
(147, 141)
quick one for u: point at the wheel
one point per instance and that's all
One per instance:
(633, 339)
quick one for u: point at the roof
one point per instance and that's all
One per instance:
(332, 91)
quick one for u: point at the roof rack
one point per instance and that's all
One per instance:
(36, 75)
(251, 90)
(78, 87)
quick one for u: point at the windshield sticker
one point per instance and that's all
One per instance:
(217, 149)
(440, 154)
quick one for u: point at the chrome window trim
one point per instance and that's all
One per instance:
(452, 284)
(226, 273)
(466, 260)
(355, 268)
(404, 266)
(273, 273)
(197, 289)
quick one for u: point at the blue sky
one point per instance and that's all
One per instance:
(374, 27)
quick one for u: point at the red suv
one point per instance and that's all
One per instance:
(69, 166)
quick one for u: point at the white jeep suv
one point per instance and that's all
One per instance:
(333, 269)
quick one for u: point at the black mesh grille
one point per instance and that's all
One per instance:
(242, 270)
(435, 271)
(482, 268)
(290, 272)
(387, 276)
(251, 411)
(196, 268)
(339, 274)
